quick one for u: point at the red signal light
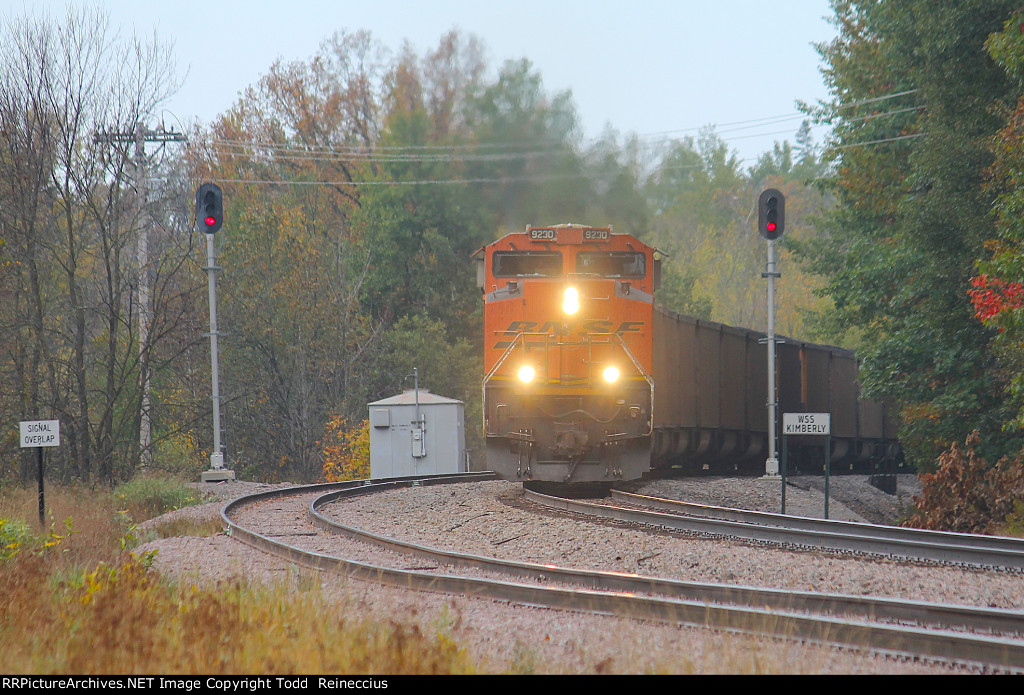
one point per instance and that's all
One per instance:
(209, 208)
(771, 211)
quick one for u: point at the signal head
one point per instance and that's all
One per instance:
(771, 214)
(209, 208)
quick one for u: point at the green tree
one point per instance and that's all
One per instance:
(1006, 264)
(532, 170)
(703, 210)
(913, 86)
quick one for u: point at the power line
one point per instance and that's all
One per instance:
(506, 151)
(327, 156)
(887, 113)
(881, 98)
(287, 152)
(876, 142)
(422, 182)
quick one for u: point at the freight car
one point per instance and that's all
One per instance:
(588, 381)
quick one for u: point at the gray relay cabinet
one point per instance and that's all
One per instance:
(417, 433)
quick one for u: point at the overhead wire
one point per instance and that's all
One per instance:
(876, 142)
(872, 100)
(496, 152)
(655, 136)
(277, 152)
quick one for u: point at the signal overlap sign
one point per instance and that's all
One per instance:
(807, 423)
(35, 433)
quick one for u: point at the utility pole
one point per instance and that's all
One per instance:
(140, 135)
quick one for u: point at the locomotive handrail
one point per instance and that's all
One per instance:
(647, 377)
(490, 375)
(603, 339)
(504, 356)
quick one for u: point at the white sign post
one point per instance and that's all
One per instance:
(38, 434)
(807, 424)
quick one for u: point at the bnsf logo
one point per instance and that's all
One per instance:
(560, 328)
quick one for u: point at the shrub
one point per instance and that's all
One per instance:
(14, 537)
(145, 497)
(967, 495)
(345, 450)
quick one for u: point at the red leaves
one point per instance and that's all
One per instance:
(991, 296)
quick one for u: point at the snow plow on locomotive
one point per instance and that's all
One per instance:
(587, 381)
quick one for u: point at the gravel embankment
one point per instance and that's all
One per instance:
(493, 519)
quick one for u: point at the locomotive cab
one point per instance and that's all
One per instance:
(568, 392)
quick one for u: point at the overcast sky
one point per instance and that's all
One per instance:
(641, 66)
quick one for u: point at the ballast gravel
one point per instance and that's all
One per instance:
(493, 518)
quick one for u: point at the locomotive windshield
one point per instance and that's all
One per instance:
(516, 264)
(612, 264)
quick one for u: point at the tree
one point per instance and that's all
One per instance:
(71, 218)
(704, 207)
(912, 88)
(532, 170)
(997, 292)
(292, 273)
(332, 247)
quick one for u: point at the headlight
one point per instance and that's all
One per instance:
(571, 300)
(611, 374)
(526, 374)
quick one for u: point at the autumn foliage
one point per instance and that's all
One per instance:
(346, 450)
(967, 495)
(992, 296)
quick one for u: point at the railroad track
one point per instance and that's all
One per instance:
(844, 536)
(904, 628)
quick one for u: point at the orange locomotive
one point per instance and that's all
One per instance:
(574, 342)
(568, 354)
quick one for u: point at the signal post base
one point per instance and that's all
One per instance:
(216, 476)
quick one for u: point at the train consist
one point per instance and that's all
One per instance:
(588, 381)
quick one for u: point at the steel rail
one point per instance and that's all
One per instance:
(847, 542)
(822, 525)
(955, 647)
(949, 616)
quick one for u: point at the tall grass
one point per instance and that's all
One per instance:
(75, 600)
(123, 619)
(84, 517)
